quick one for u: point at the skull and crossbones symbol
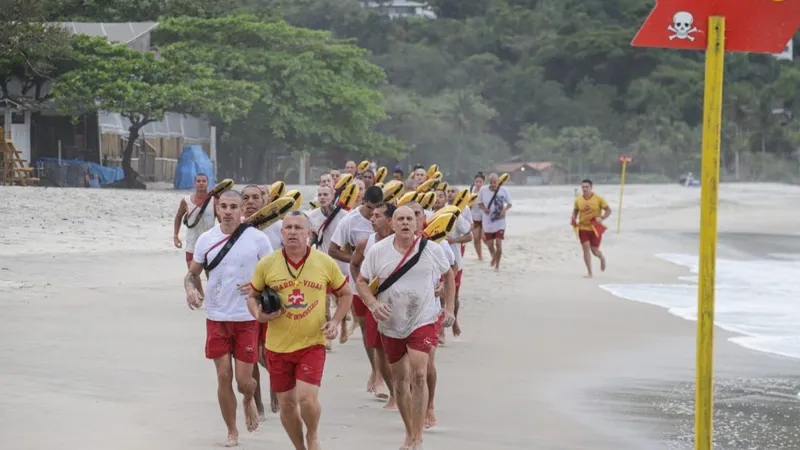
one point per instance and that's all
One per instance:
(682, 27)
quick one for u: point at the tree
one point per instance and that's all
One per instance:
(316, 93)
(143, 88)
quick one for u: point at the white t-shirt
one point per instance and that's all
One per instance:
(351, 230)
(273, 233)
(462, 227)
(475, 210)
(411, 298)
(317, 219)
(449, 255)
(503, 198)
(206, 222)
(467, 214)
(223, 302)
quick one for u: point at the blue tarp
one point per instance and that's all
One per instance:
(193, 160)
(70, 172)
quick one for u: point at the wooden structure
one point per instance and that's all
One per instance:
(15, 170)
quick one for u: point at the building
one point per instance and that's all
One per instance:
(39, 131)
(533, 173)
(398, 9)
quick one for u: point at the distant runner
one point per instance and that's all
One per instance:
(418, 176)
(398, 174)
(495, 202)
(351, 168)
(230, 328)
(407, 313)
(335, 175)
(588, 214)
(368, 177)
(460, 235)
(477, 217)
(295, 344)
(191, 213)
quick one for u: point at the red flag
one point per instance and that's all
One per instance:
(598, 227)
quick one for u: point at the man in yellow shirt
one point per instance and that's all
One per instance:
(295, 342)
(588, 214)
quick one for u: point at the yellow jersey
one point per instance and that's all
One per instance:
(302, 287)
(589, 209)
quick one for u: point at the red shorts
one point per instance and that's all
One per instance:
(262, 333)
(589, 236)
(285, 369)
(463, 249)
(189, 257)
(496, 235)
(239, 338)
(359, 308)
(423, 339)
(438, 328)
(458, 280)
(372, 337)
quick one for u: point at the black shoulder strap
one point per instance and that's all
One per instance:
(226, 248)
(401, 271)
(199, 214)
(489, 206)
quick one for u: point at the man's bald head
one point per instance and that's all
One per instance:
(230, 194)
(404, 222)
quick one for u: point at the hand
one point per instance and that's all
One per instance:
(438, 290)
(573, 222)
(264, 318)
(331, 329)
(244, 289)
(501, 214)
(193, 299)
(600, 219)
(451, 240)
(381, 311)
(177, 241)
(449, 318)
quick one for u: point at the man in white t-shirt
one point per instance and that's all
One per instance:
(230, 328)
(494, 201)
(458, 238)
(407, 312)
(356, 226)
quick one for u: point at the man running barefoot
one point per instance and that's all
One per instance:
(191, 213)
(230, 328)
(406, 313)
(295, 344)
(477, 217)
(382, 224)
(590, 209)
(460, 235)
(323, 225)
(494, 201)
(253, 201)
(356, 226)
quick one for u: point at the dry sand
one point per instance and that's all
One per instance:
(100, 351)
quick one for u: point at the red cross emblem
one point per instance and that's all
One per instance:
(296, 299)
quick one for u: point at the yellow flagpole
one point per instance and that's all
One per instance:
(712, 119)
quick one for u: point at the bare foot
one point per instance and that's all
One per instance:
(587, 276)
(371, 382)
(391, 404)
(232, 440)
(312, 442)
(251, 416)
(262, 417)
(380, 391)
(603, 264)
(456, 329)
(430, 419)
(328, 345)
(344, 335)
(274, 406)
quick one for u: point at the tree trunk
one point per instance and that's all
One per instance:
(131, 180)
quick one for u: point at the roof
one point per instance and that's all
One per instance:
(124, 32)
(539, 166)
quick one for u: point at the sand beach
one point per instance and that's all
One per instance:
(100, 351)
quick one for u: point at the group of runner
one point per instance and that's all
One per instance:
(308, 262)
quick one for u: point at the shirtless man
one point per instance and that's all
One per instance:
(253, 201)
(321, 221)
(189, 213)
(459, 236)
(406, 314)
(477, 217)
(230, 328)
(438, 283)
(295, 345)
(382, 224)
(591, 208)
(356, 226)
(494, 201)
(351, 168)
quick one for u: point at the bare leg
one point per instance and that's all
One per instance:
(596, 252)
(310, 411)
(476, 240)
(418, 362)
(587, 259)
(227, 398)
(498, 254)
(430, 416)
(247, 387)
(290, 418)
(386, 372)
(456, 326)
(490, 246)
(402, 389)
(373, 380)
(257, 395)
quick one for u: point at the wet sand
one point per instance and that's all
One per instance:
(101, 350)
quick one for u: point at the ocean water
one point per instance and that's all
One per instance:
(760, 300)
